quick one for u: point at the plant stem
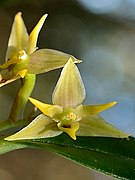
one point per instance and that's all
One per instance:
(27, 85)
(4, 125)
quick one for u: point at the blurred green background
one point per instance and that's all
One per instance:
(102, 34)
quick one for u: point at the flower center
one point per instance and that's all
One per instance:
(22, 55)
(69, 116)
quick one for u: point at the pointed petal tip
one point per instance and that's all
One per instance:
(32, 42)
(78, 61)
(113, 103)
(45, 16)
(12, 138)
(73, 137)
(9, 139)
(35, 102)
(31, 100)
(69, 90)
(19, 14)
(96, 126)
(74, 60)
(42, 20)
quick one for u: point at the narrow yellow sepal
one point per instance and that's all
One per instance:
(87, 110)
(47, 109)
(32, 41)
(69, 129)
(10, 62)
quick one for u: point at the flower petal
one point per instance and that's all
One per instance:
(69, 91)
(70, 129)
(96, 126)
(93, 109)
(41, 127)
(47, 109)
(22, 73)
(9, 81)
(18, 37)
(45, 60)
(32, 41)
(10, 62)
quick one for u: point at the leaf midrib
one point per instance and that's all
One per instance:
(88, 148)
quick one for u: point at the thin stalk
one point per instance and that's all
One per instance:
(26, 88)
(5, 125)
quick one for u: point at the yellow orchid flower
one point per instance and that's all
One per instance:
(67, 114)
(22, 57)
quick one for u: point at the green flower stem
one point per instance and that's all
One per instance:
(27, 85)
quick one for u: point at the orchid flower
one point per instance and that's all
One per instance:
(22, 57)
(67, 114)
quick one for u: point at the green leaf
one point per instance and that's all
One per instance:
(113, 156)
(45, 60)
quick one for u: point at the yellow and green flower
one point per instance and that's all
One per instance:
(67, 114)
(22, 56)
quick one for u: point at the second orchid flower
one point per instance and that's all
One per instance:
(22, 56)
